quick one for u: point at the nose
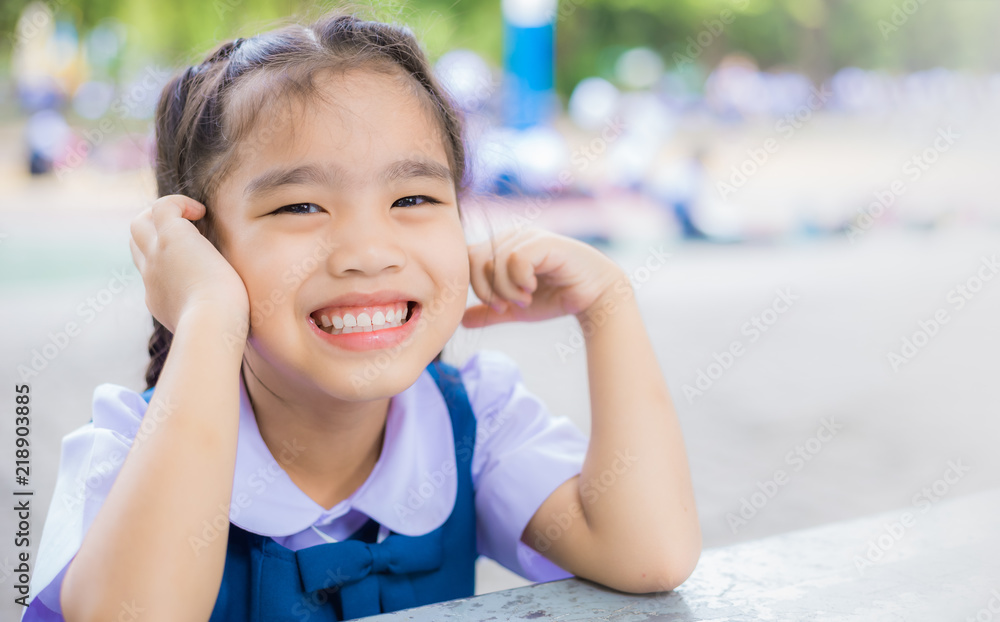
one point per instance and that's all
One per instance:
(367, 244)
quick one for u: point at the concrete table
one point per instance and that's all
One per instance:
(933, 561)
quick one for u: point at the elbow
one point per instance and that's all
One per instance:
(662, 577)
(674, 575)
(645, 565)
(669, 569)
(646, 575)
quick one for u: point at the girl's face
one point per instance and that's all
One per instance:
(345, 207)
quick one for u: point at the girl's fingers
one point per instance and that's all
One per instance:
(524, 258)
(143, 230)
(500, 280)
(478, 278)
(173, 206)
(490, 273)
(137, 257)
(481, 266)
(513, 270)
(481, 315)
(165, 210)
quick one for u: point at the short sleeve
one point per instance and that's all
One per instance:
(91, 458)
(522, 454)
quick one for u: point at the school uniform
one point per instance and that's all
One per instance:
(469, 455)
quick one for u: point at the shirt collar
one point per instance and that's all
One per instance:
(411, 490)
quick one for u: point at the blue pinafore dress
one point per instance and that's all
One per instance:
(265, 582)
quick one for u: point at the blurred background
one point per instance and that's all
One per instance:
(812, 181)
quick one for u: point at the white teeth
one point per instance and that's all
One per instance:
(390, 316)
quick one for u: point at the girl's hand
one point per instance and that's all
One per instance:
(180, 268)
(536, 275)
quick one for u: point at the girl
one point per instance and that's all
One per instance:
(301, 451)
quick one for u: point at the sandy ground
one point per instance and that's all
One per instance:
(822, 362)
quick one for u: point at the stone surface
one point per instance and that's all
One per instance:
(934, 562)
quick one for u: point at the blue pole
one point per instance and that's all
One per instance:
(529, 62)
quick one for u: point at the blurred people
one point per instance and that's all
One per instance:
(47, 68)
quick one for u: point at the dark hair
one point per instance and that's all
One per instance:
(207, 112)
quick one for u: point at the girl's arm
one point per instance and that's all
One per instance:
(143, 551)
(632, 524)
(629, 519)
(151, 549)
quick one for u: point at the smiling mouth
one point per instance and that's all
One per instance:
(364, 319)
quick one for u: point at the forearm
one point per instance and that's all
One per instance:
(636, 490)
(146, 547)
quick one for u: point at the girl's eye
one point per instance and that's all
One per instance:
(415, 200)
(296, 208)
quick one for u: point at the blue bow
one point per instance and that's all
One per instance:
(363, 572)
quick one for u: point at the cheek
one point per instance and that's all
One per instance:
(263, 277)
(264, 265)
(262, 302)
(457, 281)
(446, 255)
(453, 256)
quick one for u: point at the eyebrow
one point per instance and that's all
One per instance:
(312, 174)
(413, 169)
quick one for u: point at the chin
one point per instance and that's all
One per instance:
(371, 381)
